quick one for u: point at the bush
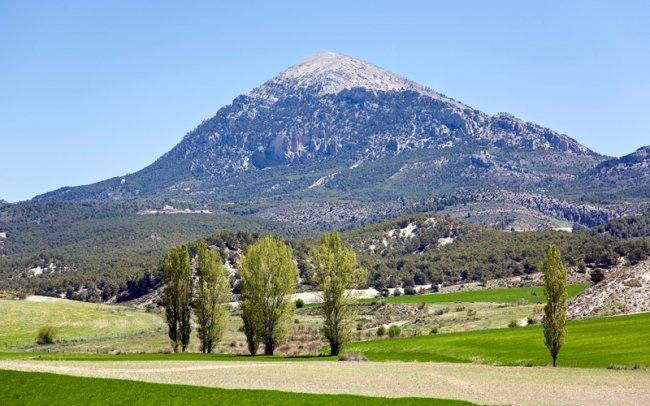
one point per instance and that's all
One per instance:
(460, 308)
(46, 335)
(352, 356)
(299, 303)
(434, 330)
(512, 324)
(471, 312)
(409, 290)
(381, 331)
(397, 292)
(597, 275)
(440, 312)
(394, 331)
(531, 321)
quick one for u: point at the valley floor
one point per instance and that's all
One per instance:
(481, 384)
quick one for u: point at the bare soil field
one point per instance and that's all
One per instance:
(482, 384)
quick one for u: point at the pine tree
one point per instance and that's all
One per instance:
(212, 294)
(269, 277)
(335, 271)
(555, 310)
(177, 294)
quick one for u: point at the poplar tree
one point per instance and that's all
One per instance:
(212, 294)
(269, 276)
(555, 310)
(177, 294)
(250, 330)
(335, 272)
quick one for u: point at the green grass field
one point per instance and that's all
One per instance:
(598, 342)
(501, 295)
(73, 321)
(33, 388)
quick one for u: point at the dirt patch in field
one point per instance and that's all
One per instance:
(478, 383)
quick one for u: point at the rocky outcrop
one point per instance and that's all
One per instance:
(625, 289)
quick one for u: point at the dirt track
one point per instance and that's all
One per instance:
(478, 383)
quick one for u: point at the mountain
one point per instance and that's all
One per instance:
(628, 175)
(340, 135)
(329, 109)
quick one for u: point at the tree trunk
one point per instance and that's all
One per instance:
(334, 348)
(269, 346)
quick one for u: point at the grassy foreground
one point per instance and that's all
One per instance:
(501, 295)
(21, 320)
(35, 388)
(598, 342)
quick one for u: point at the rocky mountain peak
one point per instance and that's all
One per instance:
(642, 153)
(331, 73)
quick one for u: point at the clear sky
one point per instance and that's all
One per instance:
(95, 89)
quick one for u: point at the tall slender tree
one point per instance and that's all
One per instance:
(250, 330)
(212, 294)
(269, 276)
(555, 310)
(335, 272)
(177, 295)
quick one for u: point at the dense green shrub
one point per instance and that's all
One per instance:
(381, 331)
(597, 275)
(299, 303)
(46, 335)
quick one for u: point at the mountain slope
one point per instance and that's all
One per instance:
(626, 289)
(627, 176)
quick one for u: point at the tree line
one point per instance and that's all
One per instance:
(269, 275)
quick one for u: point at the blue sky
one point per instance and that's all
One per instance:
(95, 89)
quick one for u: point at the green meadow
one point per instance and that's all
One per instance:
(500, 295)
(34, 388)
(597, 342)
(72, 321)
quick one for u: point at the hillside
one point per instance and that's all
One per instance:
(417, 249)
(95, 251)
(625, 289)
(424, 248)
(627, 227)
